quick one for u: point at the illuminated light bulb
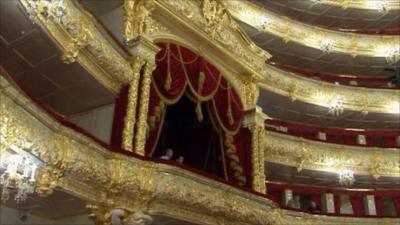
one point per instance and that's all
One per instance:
(336, 105)
(327, 45)
(346, 177)
(265, 22)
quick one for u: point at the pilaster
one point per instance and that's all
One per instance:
(255, 122)
(135, 122)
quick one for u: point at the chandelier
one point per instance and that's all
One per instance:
(336, 106)
(47, 8)
(346, 177)
(17, 173)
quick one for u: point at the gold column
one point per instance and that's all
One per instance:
(141, 128)
(255, 123)
(130, 117)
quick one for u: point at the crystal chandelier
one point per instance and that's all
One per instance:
(47, 8)
(346, 177)
(336, 106)
(17, 173)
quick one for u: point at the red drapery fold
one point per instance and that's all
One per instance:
(337, 203)
(119, 115)
(357, 203)
(396, 203)
(378, 205)
(315, 197)
(275, 195)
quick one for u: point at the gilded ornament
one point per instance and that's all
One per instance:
(137, 18)
(46, 181)
(141, 131)
(130, 117)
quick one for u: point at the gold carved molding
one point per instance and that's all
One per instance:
(327, 40)
(104, 178)
(320, 93)
(315, 155)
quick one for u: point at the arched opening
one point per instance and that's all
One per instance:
(195, 111)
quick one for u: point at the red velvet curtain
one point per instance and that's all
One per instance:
(275, 195)
(357, 203)
(180, 70)
(337, 203)
(316, 197)
(396, 203)
(378, 205)
(119, 115)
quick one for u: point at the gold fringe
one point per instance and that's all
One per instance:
(199, 112)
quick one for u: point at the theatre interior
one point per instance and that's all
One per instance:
(199, 112)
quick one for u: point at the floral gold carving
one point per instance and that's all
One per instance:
(47, 180)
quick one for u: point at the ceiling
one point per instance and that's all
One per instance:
(34, 62)
(333, 17)
(286, 174)
(308, 58)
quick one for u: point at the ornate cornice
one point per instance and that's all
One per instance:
(362, 4)
(314, 155)
(327, 40)
(80, 40)
(365, 100)
(90, 171)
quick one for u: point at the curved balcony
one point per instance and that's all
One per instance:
(342, 79)
(86, 167)
(367, 138)
(321, 93)
(314, 37)
(315, 155)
